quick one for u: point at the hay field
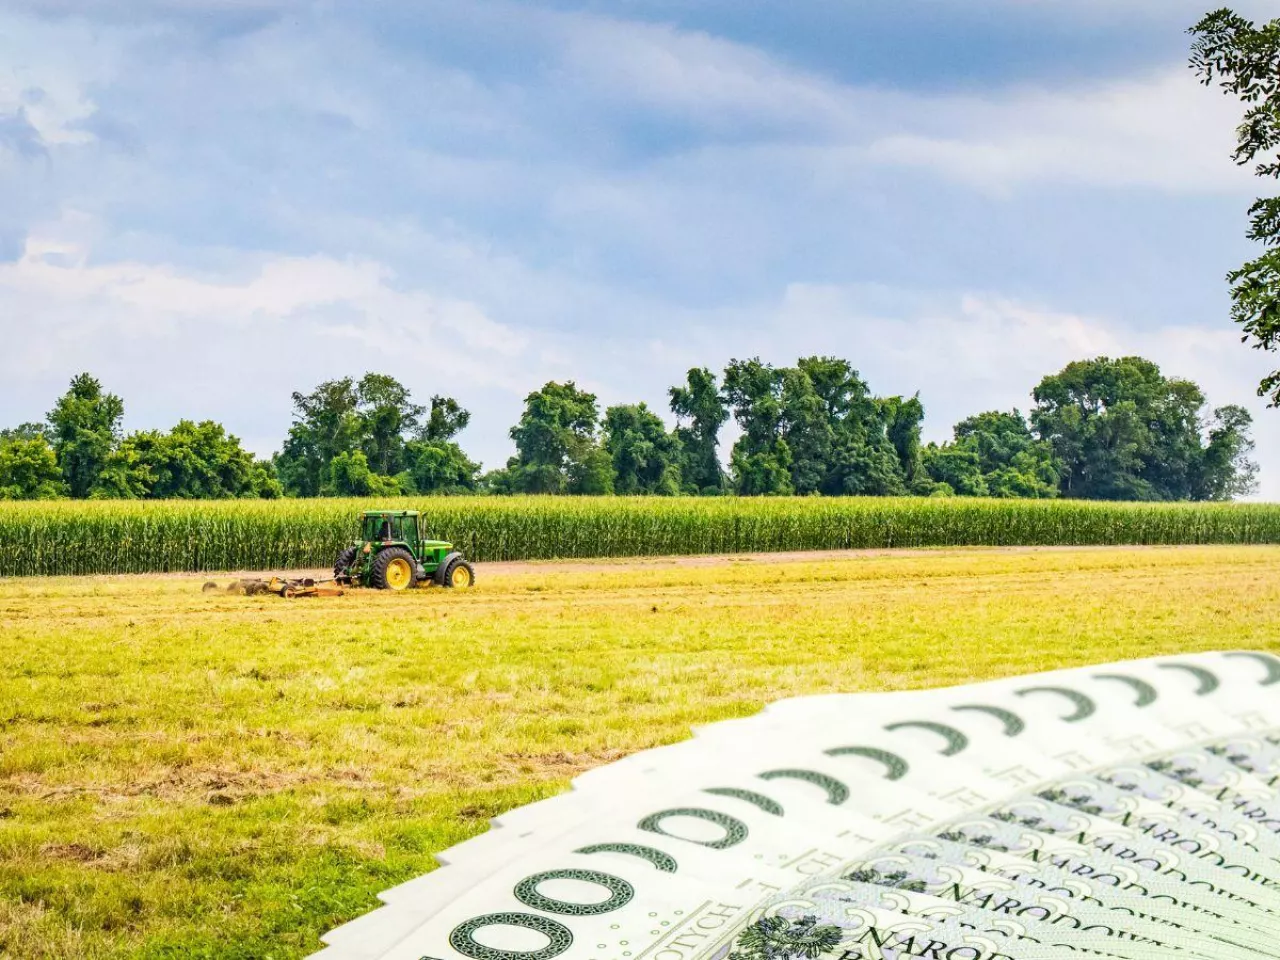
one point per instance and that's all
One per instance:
(209, 776)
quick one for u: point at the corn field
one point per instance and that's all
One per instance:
(87, 537)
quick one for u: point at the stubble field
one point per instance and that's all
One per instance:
(214, 776)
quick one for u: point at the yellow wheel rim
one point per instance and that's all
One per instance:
(399, 573)
(461, 576)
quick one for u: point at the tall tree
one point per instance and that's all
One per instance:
(1225, 471)
(376, 418)
(326, 423)
(807, 431)
(815, 428)
(85, 427)
(387, 415)
(863, 459)
(557, 445)
(1123, 431)
(446, 420)
(700, 413)
(761, 458)
(1244, 59)
(436, 463)
(644, 456)
(902, 419)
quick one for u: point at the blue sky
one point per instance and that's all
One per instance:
(212, 203)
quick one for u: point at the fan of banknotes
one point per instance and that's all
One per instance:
(1128, 810)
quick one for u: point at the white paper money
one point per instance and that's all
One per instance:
(1129, 810)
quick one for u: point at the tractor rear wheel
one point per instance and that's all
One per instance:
(393, 569)
(343, 564)
(459, 574)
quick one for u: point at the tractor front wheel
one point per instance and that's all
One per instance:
(459, 574)
(393, 569)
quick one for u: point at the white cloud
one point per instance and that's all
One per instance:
(716, 81)
(48, 69)
(1161, 130)
(1164, 131)
(284, 294)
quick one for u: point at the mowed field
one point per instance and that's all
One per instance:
(199, 776)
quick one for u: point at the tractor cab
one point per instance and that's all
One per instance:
(380, 526)
(393, 555)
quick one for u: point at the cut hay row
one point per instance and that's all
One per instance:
(84, 537)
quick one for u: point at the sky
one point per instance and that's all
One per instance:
(210, 204)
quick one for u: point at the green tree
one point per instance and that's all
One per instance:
(815, 428)
(191, 461)
(863, 459)
(327, 423)
(557, 450)
(995, 454)
(446, 420)
(761, 459)
(806, 430)
(28, 466)
(700, 413)
(387, 415)
(377, 418)
(85, 427)
(591, 474)
(645, 458)
(762, 472)
(1244, 59)
(26, 431)
(957, 466)
(350, 476)
(440, 467)
(1225, 471)
(1121, 430)
(435, 462)
(902, 419)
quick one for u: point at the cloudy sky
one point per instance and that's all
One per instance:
(212, 203)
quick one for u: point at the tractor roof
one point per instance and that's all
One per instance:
(390, 513)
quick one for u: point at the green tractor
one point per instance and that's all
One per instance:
(392, 555)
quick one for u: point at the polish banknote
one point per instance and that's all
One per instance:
(1128, 810)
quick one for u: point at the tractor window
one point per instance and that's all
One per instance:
(409, 529)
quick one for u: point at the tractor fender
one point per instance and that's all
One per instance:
(438, 576)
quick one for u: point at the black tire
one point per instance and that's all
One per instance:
(342, 565)
(448, 579)
(449, 560)
(378, 572)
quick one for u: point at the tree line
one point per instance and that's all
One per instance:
(1107, 429)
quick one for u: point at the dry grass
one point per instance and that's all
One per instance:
(212, 776)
